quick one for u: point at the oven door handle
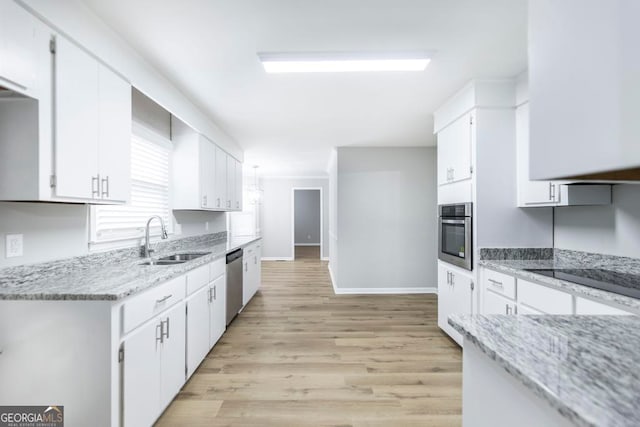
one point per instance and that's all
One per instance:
(453, 221)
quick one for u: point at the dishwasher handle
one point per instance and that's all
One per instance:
(232, 256)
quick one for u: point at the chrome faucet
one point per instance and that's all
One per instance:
(163, 235)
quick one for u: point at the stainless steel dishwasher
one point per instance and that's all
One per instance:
(234, 284)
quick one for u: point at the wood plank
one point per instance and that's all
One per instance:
(299, 355)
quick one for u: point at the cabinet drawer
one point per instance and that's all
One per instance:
(586, 306)
(197, 278)
(148, 304)
(497, 304)
(500, 283)
(217, 269)
(544, 299)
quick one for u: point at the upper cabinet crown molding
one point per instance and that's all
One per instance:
(494, 93)
(584, 97)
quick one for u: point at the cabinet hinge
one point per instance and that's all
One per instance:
(470, 169)
(121, 355)
(52, 45)
(472, 286)
(470, 120)
(52, 181)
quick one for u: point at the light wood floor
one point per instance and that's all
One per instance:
(298, 355)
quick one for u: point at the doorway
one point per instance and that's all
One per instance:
(307, 228)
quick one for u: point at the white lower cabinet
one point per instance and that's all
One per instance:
(497, 304)
(217, 309)
(197, 329)
(505, 294)
(153, 370)
(252, 270)
(455, 293)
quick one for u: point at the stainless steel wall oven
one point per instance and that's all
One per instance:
(455, 234)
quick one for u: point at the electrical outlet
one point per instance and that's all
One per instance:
(13, 245)
(206, 225)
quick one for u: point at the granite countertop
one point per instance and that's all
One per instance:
(108, 276)
(570, 260)
(586, 367)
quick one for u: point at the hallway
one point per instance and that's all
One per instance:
(299, 355)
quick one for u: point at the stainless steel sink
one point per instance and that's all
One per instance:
(163, 262)
(183, 257)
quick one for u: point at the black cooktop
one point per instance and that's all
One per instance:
(620, 283)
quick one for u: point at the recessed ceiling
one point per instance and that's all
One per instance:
(288, 123)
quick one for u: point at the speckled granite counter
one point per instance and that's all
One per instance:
(515, 261)
(586, 367)
(110, 275)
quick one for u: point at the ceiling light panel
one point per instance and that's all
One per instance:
(343, 62)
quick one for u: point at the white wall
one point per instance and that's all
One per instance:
(612, 230)
(76, 21)
(277, 214)
(387, 234)
(307, 217)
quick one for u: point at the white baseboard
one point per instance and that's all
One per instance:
(324, 258)
(307, 244)
(374, 291)
(333, 282)
(275, 258)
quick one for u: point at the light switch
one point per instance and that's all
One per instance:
(13, 245)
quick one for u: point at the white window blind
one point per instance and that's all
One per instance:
(150, 169)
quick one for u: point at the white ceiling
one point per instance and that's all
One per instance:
(287, 123)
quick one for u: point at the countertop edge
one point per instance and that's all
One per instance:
(564, 285)
(538, 389)
(136, 289)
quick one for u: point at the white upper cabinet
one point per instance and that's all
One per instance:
(221, 179)
(584, 98)
(454, 151)
(231, 183)
(92, 128)
(204, 175)
(20, 39)
(548, 193)
(238, 186)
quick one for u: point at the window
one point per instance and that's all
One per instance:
(150, 176)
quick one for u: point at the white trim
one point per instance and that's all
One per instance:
(293, 219)
(326, 258)
(307, 244)
(294, 177)
(276, 258)
(333, 282)
(374, 291)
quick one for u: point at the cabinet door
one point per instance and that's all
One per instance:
(454, 151)
(247, 274)
(231, 183)
(114, 135)
(197, 329)
(20, 40)
(497, 304)
(141, 376)
(587, 306)
(76, 130)
(221, 179)
(530, 193)
(544, 299)
(239, 198)
(454, 296)
(217, 309)
(207, 159)
(461, 286)
(172, 363)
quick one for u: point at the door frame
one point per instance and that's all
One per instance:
(293, 220)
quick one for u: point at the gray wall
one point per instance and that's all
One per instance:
(307, 217)
(386, 218)
(276, 215)
(613, 229)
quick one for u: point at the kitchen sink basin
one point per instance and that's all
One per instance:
(183, 257)
(163, 262)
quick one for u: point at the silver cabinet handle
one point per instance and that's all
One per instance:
(550, 191)
(246, 266)
(496, 283)
(210, 296)
(204, 200)
(255, 259)
(163, 299)
(453, 279)
(159, 328)
(105, 193)
(167, 323)
(95, 186)
(215, 297)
